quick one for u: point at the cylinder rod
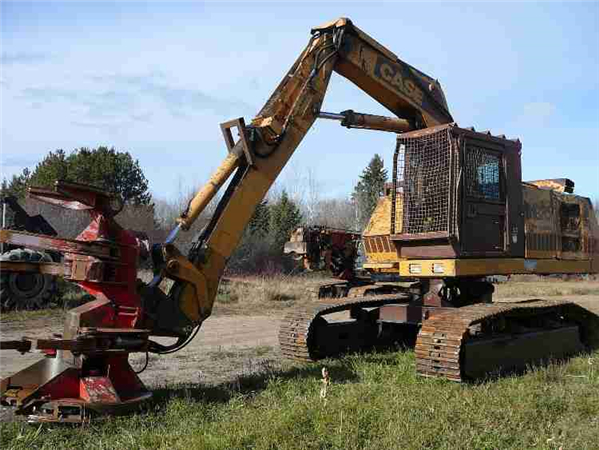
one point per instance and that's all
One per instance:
(209, 190)
(351, 119)
(330, 116)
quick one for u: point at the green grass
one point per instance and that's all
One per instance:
(375, 401)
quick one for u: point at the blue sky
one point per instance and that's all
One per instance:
(156, 79)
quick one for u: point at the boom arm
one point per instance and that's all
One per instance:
(264, 148)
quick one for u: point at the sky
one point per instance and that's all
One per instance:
(157, 79)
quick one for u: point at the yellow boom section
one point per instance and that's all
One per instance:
(266, 145)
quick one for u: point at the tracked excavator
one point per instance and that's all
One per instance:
(457, 211)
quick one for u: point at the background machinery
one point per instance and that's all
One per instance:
(333, 252)
(324, 248)
(19, 290)
(339, 254)
(457, 212)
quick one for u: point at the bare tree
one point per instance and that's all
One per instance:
(336, 213)
(168, 209)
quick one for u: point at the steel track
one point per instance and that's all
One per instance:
(440, 343)
(441, 340)
(297, 331)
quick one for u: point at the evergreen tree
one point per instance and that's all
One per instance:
(102, 167)
(260, 222)
(54, 166)
(370, 187)
(285, 216)
(17, 185)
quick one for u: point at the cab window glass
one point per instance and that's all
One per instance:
(483, 170)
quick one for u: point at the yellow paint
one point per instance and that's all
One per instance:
(380, 221)
(384, 265)
(493, 266)
(392, 75)
(380, 257)
(543, 210)
(281, 125)
(195, 304)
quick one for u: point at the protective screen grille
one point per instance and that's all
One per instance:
(482, 170)
(423, 171)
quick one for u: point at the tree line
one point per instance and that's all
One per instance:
(261, 246)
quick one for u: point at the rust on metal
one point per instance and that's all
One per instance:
(432, 236)
(61, 411)
(562, 185)
(351, 119)
(443, 338)
(78, 196)
(454, 343)
(96, 340)
(324, 248)
(457, 200)
(22, 346)
(558, 225)
(75, 266)
(46, 268)
(296, 335)
(87, 366)
(98, 389)
(41, 241)
(408, 313)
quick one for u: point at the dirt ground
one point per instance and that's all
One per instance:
(227, 347)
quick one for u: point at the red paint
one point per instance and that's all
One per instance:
(97, 390)
(105, 378)
(65, 385)
(126, 271)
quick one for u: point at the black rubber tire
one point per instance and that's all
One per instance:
(22, 290)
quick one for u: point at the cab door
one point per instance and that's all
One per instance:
(483, 200)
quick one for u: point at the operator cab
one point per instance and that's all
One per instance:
(461, 194)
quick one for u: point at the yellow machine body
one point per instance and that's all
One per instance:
(458, 208)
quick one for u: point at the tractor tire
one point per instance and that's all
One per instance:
(20, 290)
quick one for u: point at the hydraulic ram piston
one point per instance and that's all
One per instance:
(351, 119)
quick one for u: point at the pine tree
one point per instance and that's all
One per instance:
(370, 187)
(260, 222)
(285, 216)
(54, 166)
(102, 167)
(17, 185)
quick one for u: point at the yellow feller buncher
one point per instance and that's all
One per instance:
(457, 212)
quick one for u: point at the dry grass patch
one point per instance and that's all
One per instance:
(244, 294)
(263, 294)
(546, 288)
(21, 317)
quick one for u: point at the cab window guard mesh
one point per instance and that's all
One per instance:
(424, 167)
